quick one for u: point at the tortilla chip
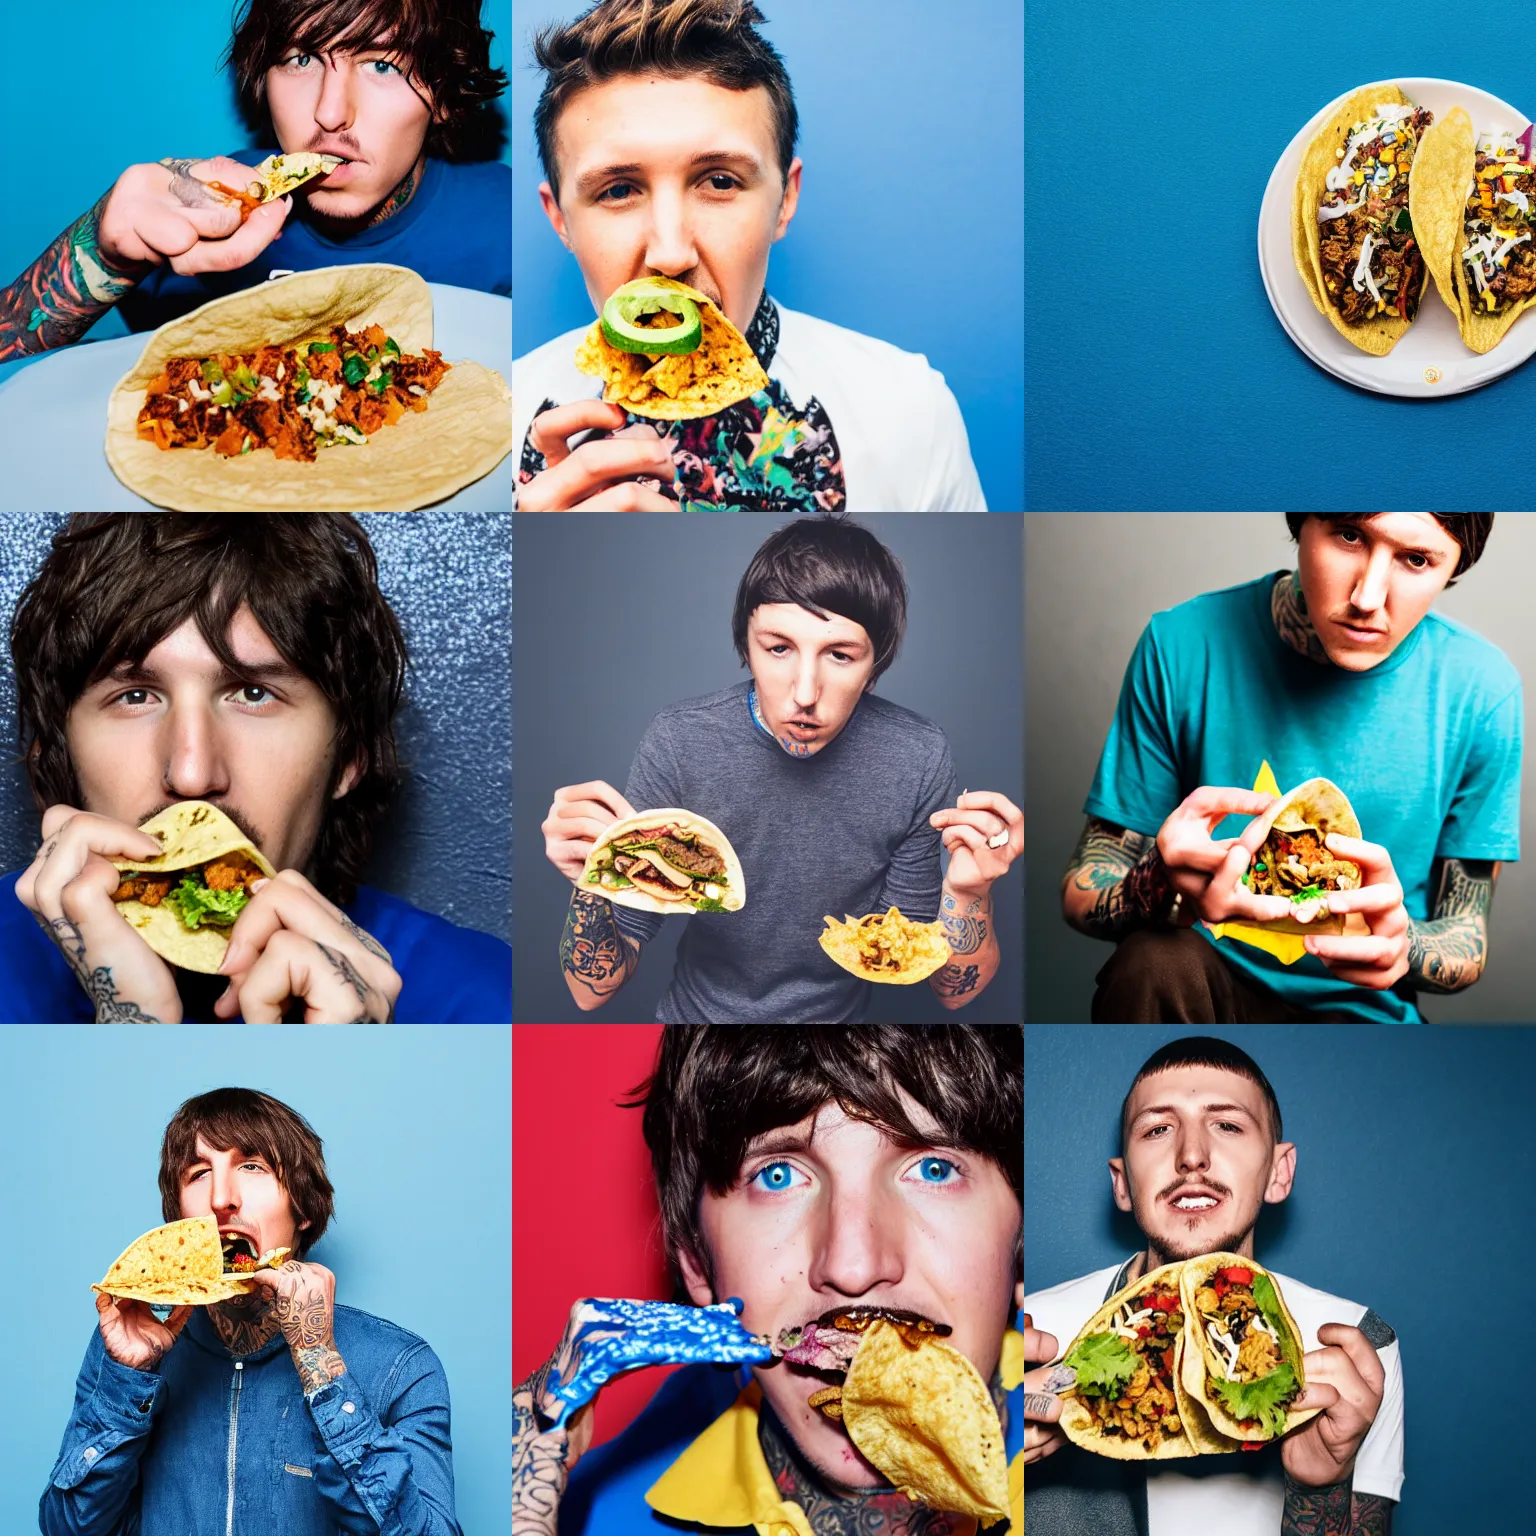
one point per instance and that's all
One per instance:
(921, 1413)
(922, 948)
(178, 1265)
(465, 431)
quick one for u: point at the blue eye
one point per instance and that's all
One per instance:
(774, 1176)
(384, 64)
(936, 1170)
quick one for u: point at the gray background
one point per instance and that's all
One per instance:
(587, 679)
(447, 844)
(1093, 581)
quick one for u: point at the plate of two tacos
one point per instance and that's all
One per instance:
(1392, 238)
(187, 1263)
(1195, 1358)
(316, 392)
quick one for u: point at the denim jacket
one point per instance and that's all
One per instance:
(214, 1445)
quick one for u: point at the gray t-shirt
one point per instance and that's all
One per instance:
(844, 832)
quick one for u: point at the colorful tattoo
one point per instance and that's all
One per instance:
(1127, 876)
(1449, 952)
(1288, 608)
(1333, 1511)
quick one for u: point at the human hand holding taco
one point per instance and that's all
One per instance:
(303, 1298)
(292, 945)
(578, 816)
(133, 1335)
(604, 474)
(1345, 1379)
(69, 889)
(1208, 871)
(1378, 959)
(169, 212)
(1042, 1408)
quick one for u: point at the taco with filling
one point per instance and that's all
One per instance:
(185, 902)
(1472, 203)
(1129, 1402)
(668, 861)
(1294, 860)
(316, 392)
(185, 1263)
(1352, 232)
(664, 350)
(1242, 1360)
(886, 946)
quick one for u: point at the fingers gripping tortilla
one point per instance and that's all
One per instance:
(669, 384)
(399, 458)
(1295, 862)
(185, 902)
(1242, 1360)
(668, 861)
(178, 1265)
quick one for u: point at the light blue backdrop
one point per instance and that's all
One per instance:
(1413, 1175)
(417, 1131)
(103, 87)
(1159, 377)
(910, 226)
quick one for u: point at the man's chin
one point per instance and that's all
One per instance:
(1175, 1247)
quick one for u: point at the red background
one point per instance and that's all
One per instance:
(584, 1215)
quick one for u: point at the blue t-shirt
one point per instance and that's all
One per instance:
(456, 229)
(1426, 745)
(449, 975)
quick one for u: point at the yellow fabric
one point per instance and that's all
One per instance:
(1287, 948)
(1012, 1366)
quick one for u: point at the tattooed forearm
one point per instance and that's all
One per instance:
(1333, 1511)
(539, 1471)
(110, 1008)
(1288, 608)
(594, 954)
(966, 923)
(1449, 952)
(64, 292)
(974, 955)
(372, 1006)
(1115, 881)
(318, 1365)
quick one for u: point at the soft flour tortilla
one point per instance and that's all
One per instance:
(1383, 332)
(920, 1412)
(178, 1265)
(720, 372)
(465, 431)
(735, 888)
(1197, 1362)
(1077, 1421)
(192, 833)
(1321, 804)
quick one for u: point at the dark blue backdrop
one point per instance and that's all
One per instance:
(1414, 1162)
(1158, 377)
(910, 225)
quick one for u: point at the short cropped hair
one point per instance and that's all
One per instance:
(1469, 529)
(716, 39)
(827, 564)
(255, 1125)
(448, 50)
(115, 584)
(1203, 1051)
(716, 1088)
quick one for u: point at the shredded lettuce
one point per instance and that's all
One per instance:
(706, 904)
(1264, 1400)
(1267, 1299)
(1104, 1363)
(196, 905)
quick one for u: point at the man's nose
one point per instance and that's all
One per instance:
(857, 1247)
(806, 690)
(335, 109)
(1371, 589)
(195, 766)
(669, 247)
(1194, 1151)
(226, 1191)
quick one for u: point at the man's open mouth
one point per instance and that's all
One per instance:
(1195, 1201)
(239, 1251)
(829, 1343)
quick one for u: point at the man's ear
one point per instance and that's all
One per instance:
(350, 776)
(700, 1292)
(1121, 1183)
(1282, 1173)
(551, 205)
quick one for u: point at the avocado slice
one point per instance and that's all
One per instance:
(643, 297)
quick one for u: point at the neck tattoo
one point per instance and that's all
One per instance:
(244, 1324)
(402, 194)
(1288, 608)
(789, 744)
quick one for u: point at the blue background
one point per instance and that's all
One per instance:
(447, 843)
(418, 1143)
(103, 87)
(1413, 1168)
(910, 225)
(1158, 375)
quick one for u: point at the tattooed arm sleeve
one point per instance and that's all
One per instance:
(1115, 881)
(1334, 1511)
(64, 292)
(595, 956)
(1449, 951)
(974, 955)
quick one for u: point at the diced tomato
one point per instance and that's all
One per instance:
(1235, 1276)
(1168, 1362)
(1144, 1332)
(1251, 1445)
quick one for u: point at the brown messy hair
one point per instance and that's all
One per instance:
(675, 38)
(1469, 529)
(255, 1125)
(716, 1088)
(116, 584)
(448, 51)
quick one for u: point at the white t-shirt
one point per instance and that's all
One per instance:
(1249, 1500)
(857, 425)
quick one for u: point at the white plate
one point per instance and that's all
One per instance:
(1431, 359)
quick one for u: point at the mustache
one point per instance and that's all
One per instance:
(1178, 1184)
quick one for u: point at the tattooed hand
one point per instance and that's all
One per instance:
(133, 1335)
(68, 888)
(167, 213)
(304, 1305)
(1208, 871)
(1042, 1408)
(292, 945)
(1346, 1380)
(1379, 959)
(578, 816)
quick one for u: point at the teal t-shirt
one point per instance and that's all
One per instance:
(1426, 745)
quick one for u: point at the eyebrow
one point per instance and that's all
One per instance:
(1205, 1109)
(259, 671)
(1397, 544)
(744, 162)
(787, 1138)
(850, 644)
